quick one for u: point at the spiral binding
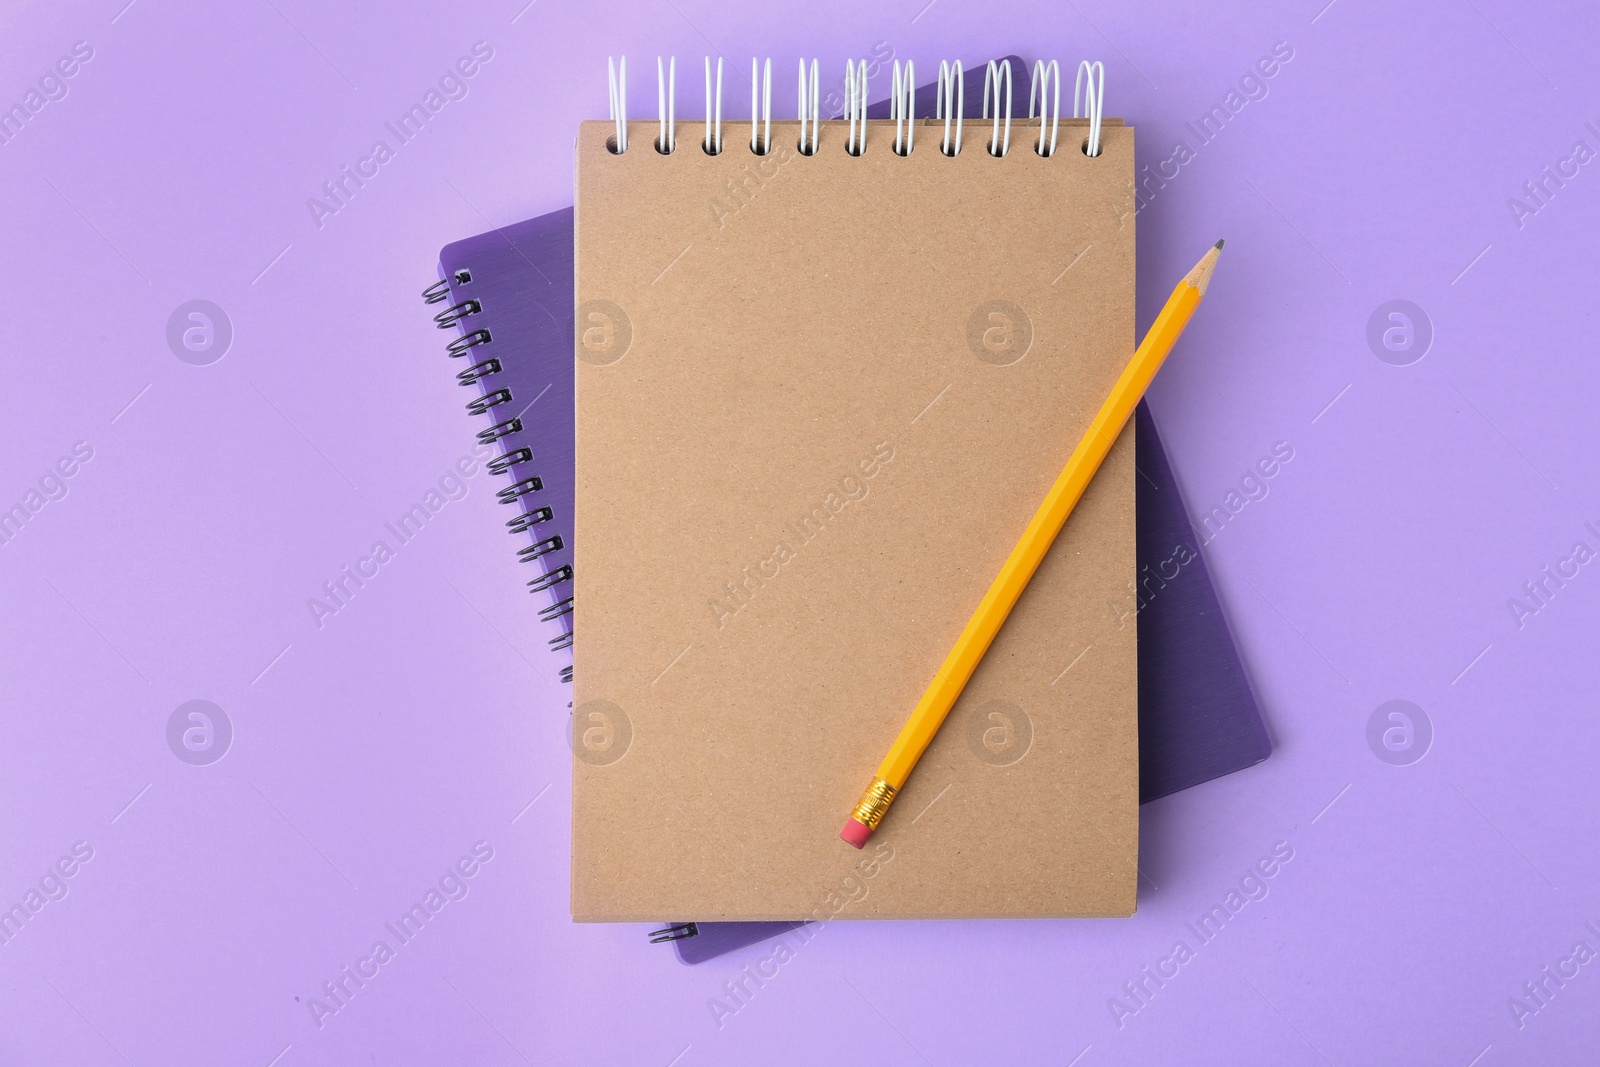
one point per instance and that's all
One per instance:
(667, 95)
(675, 932)
(459, 346)
(1042, 74)
(903, 108)
(950, 100)
(506, 460)
(993, 75)
(619, 104)
(484, 369)
(855, 108)
(810, 113)
(760, 107)
(509, 494)
(478, 370)
(1044, 107)
(1094, 99)
(713, 142)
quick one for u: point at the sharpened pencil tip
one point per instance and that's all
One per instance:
(1200, 276)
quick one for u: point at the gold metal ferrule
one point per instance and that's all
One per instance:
(874, 803)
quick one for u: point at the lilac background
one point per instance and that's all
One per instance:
(371, 753)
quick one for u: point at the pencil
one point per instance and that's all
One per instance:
(1036, 540)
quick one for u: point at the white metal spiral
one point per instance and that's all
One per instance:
(763, 87)
(617, 74)
(810, 111)
(666, 103)
(713, 141)
(950, 99)
(993, 74)
(1039, 87)
(1092, 80)
(855, 91)
(903, 108)
(1044, 103)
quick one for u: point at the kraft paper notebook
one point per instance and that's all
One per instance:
(818, 395)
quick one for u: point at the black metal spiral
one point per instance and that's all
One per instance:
(561, 574)
(506, 460)
(456, 312)
(478, 370)
(485, 368)
(539, 548)
(499, 430)
(529, 519)
(675, 932)
(509, 494)
(493, 398)
(461, 344)
(556, 610)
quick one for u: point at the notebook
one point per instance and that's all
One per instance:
(831, 388)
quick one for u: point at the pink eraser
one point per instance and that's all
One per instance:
(855, 833)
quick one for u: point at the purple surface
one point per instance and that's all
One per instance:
(1385, 162)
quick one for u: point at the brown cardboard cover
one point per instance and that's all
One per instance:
(819, 397)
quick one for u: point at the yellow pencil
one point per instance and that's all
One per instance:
(1036, 540)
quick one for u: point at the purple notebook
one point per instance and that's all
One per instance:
(510, 298)
(509, 302)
